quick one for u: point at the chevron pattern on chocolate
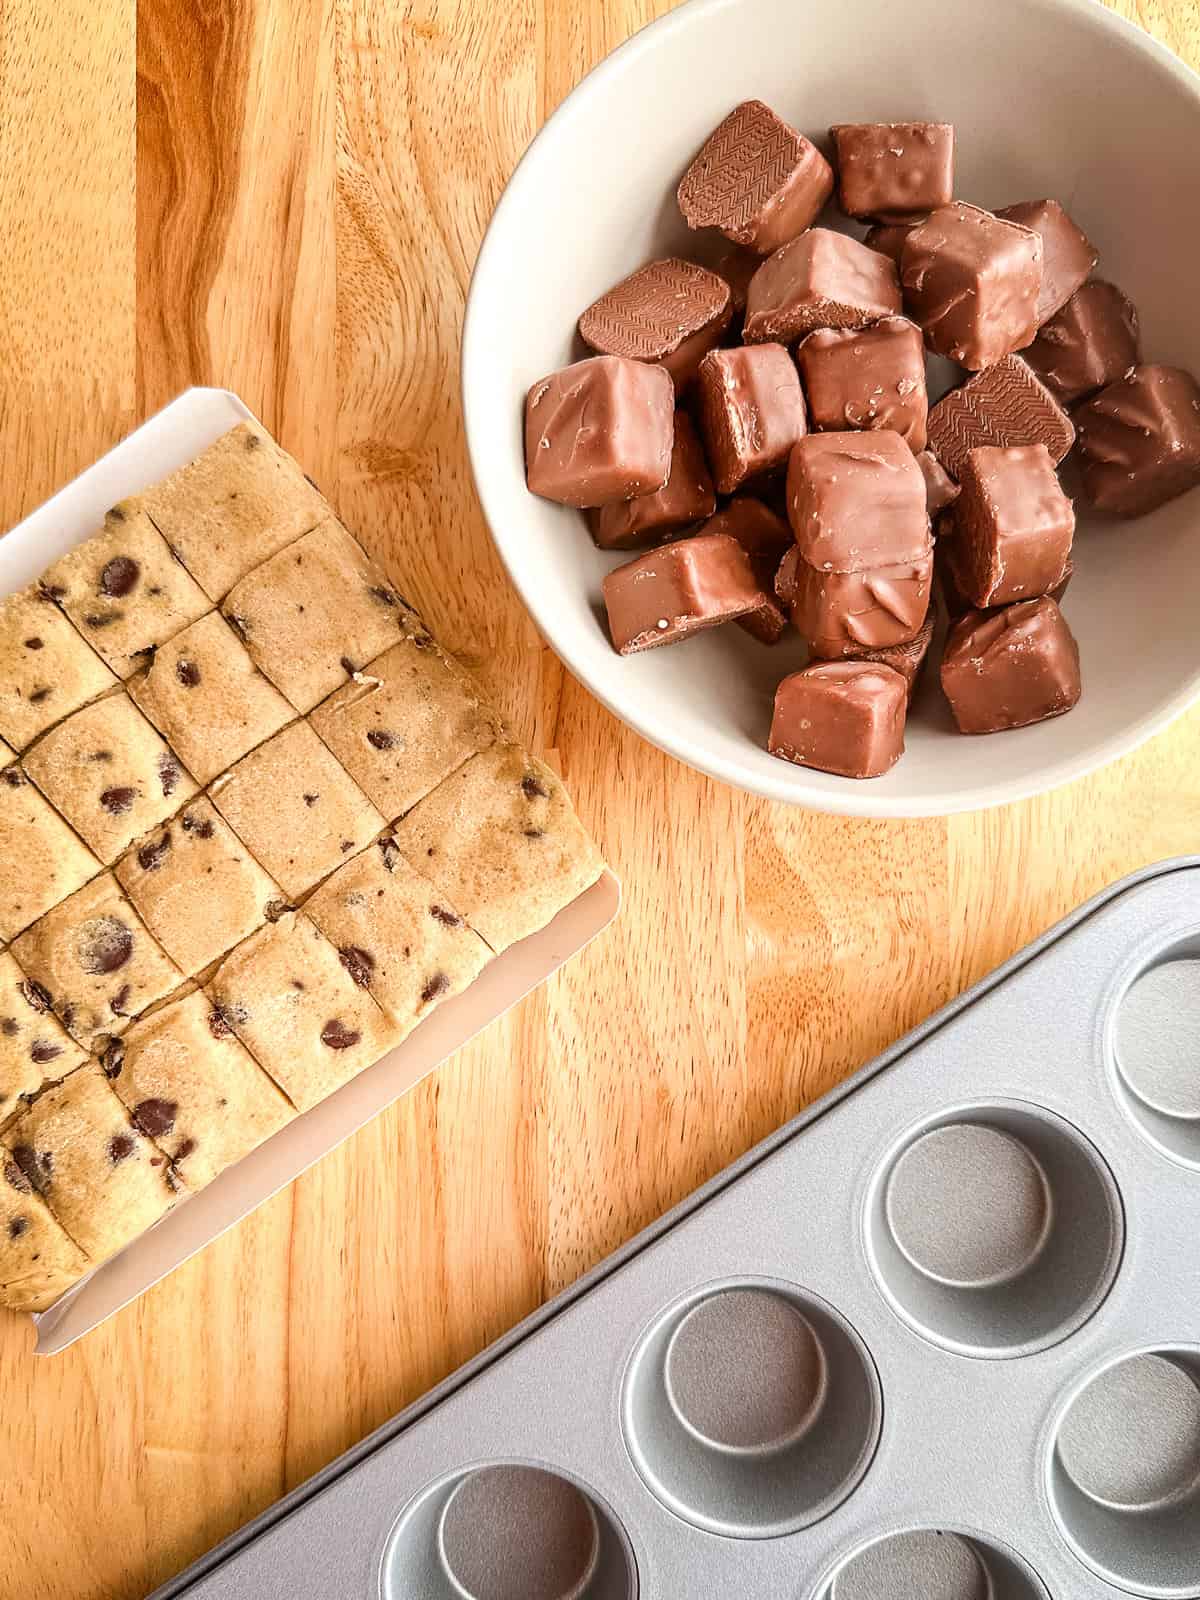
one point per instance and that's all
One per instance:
(651, 312)
(744, 161)
(1005, 404)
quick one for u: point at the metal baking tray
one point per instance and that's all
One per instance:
(937, 1339)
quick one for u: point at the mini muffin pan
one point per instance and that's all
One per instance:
(937, 1339)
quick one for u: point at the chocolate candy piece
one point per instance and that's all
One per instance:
(1092, 342)
(670, 311)
(888, 238)
(906, 659)
(1068, 255)
(1009, 668)
(687, 496)
(751, 411)
(940, 488)
(678, 589)
(972, 281)
(765, 537)
(867, 378)
(756, 179)
(1139, 441)
(621, 450)
(894, 171)
(1006, 405)
(857, 500)
(946, 560)
(845, 717)
(845, 613)
(820, 280)
(1014, 525)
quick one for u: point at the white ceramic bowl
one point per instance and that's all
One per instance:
(1049, 97)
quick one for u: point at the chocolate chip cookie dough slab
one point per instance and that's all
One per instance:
(95, 961)
(46, 669)
(501, 839)
(41, 860)
(101, 1179)
(38, 1261)
(124, 590)
(194, 1088)
(292, 1002)
(109, 774)
(34, 1047)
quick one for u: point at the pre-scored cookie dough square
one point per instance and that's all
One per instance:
(396, 934)
(96, 962)
(195, 1089)
(124, 590)
(204, 693)
(34, 1047)
(234, 506)
(296, 1008)
(38, 1261)
(46, 669)
(299, 811)
(501, 839)
(405, 722)
(316, 613)
(102, 1180)
(110, 774)
(197, 887)
(41, 860)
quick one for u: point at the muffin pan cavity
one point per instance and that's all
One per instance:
(1123, 1473)
(751, 1409)
(509, 1530)
(994, 1229)
(1155, 1052)
(932, 1564)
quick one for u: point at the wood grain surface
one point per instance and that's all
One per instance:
(286, 197)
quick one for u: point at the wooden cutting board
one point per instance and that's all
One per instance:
(286, 197)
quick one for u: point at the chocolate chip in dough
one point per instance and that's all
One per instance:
(119, 577)
(43, 1050)
(437, 985)
(359, 963)
(156, 1118)
(338, 1036)
(119, 800)
(17, 1226)
(120, 1147)
(104, 945)
(532, 786)
(380, 739)
(153, 853)
(188, 673)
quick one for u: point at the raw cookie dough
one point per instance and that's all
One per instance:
(297, 1009)
(195, 1090)
(41, 860)
(102, 1180)
(95, 961)
(405, 722)
(197, 887)
(124, 590)
(234, 506)
(396, 935)
(33, 1047)
(501, 839)
(46, 669)
(315, 613)
(203, 692)
(296, 808)
(38, 1262)
(109, 774)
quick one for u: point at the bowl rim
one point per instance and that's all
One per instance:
(793, 786)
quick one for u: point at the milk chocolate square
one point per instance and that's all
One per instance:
(686, 497)
(1014, 525)
(1011, 667)
(751, 412)
(34, 1048)
(670, 311)
(124, 590)
(846, 613)
(1004, 405)
(1068, 255)
(857, 500)
(844, 717)
(756, 179)
(46, 669)
(867, 378)
(821, 280)
(677, 590)
(38, 1262)
(41, 860)
(599, 431)
(239, 502)
(1139, 441)
(972, 281)
(765, 537)
(894, 171)
(1093, 341)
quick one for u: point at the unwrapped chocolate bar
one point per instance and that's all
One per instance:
(867, 378)
(1006, 404)
(751, 410)
(1068, 255)
(972, 281)
(1092, 342)
(687, 496)
(671, 311)
(598, 431)
(857, 500)
(894, 171)
(844, 717)
(677, 590)
(1012, 667)
(1139, 441)
(1014, 525)
(765, 537)
(820, 280)
(847, 613)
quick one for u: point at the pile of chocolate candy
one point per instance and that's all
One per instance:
(768, 417)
